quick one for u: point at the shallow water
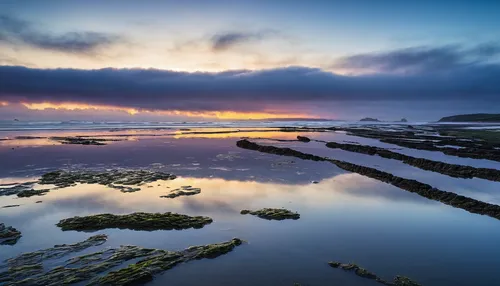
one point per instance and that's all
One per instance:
(345, 217)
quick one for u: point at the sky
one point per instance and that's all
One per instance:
(227, 60)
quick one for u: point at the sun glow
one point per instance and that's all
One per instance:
(4, 103)
(223, 115)
(77, 106)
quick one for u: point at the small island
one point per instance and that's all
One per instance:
(370, 119)
(477, 117)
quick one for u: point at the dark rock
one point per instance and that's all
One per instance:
(361, 272)
(369, 119)
(273, 214)
(182, 191)
(453, 170)
(9, 235)
(10, 206)
(32, 192)
(134, 221)
(303, 139)
(87, 267)
(17, 188)
(55, 252)
(413, 186)
(112, 178)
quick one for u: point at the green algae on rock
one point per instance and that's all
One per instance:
(114, 177)
(32, 192)
(9, 235)
(134, 221)
(453, 170)
(273, 214)
(57, 251)
(182, 191)
(20, 272)
(361, 272)
(144, 270)
(87, 267)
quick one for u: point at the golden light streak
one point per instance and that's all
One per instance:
(223, 115)
(77, 106)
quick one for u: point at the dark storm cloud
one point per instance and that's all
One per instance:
(224, 41)
(17, 31)
(239, 90)
(420, 59)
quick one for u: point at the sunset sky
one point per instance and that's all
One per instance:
(225, 60)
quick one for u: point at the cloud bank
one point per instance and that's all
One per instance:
(420, 59)
(153, 89)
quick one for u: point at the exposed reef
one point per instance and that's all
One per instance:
(144, 270)
(32, 192)
(115, 177)
(303, 139)
(361, 272)
(413, 186)
(134, 221)
(459, 171)
(476, 144)
(10, 206)
(87, 267)
(182, 191)
(16, 188)
(55, 252)
(81, 140)
(9, 235)
(273, 214)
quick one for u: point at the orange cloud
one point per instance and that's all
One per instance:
(4, 103)
(224, 115)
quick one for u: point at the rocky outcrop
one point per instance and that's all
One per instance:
(369, 119)
(134, 221)
(273, 214)
(114, 177)
(55, 252)
(361, 272)
(453, 170)
(413, 186)
(9, 235)
(27, 269)
(303, 139)
(182, 191)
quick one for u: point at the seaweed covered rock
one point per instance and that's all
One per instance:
(273, 214)
(9, 235)
(453, 170)
(32, 192)
(144, 270)
(114, 177)
(303, 139)
(134, 221)
(88, 267)
(413, 186)
(55, 252)
(182, 191)
(361, 272)
(16, 188)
